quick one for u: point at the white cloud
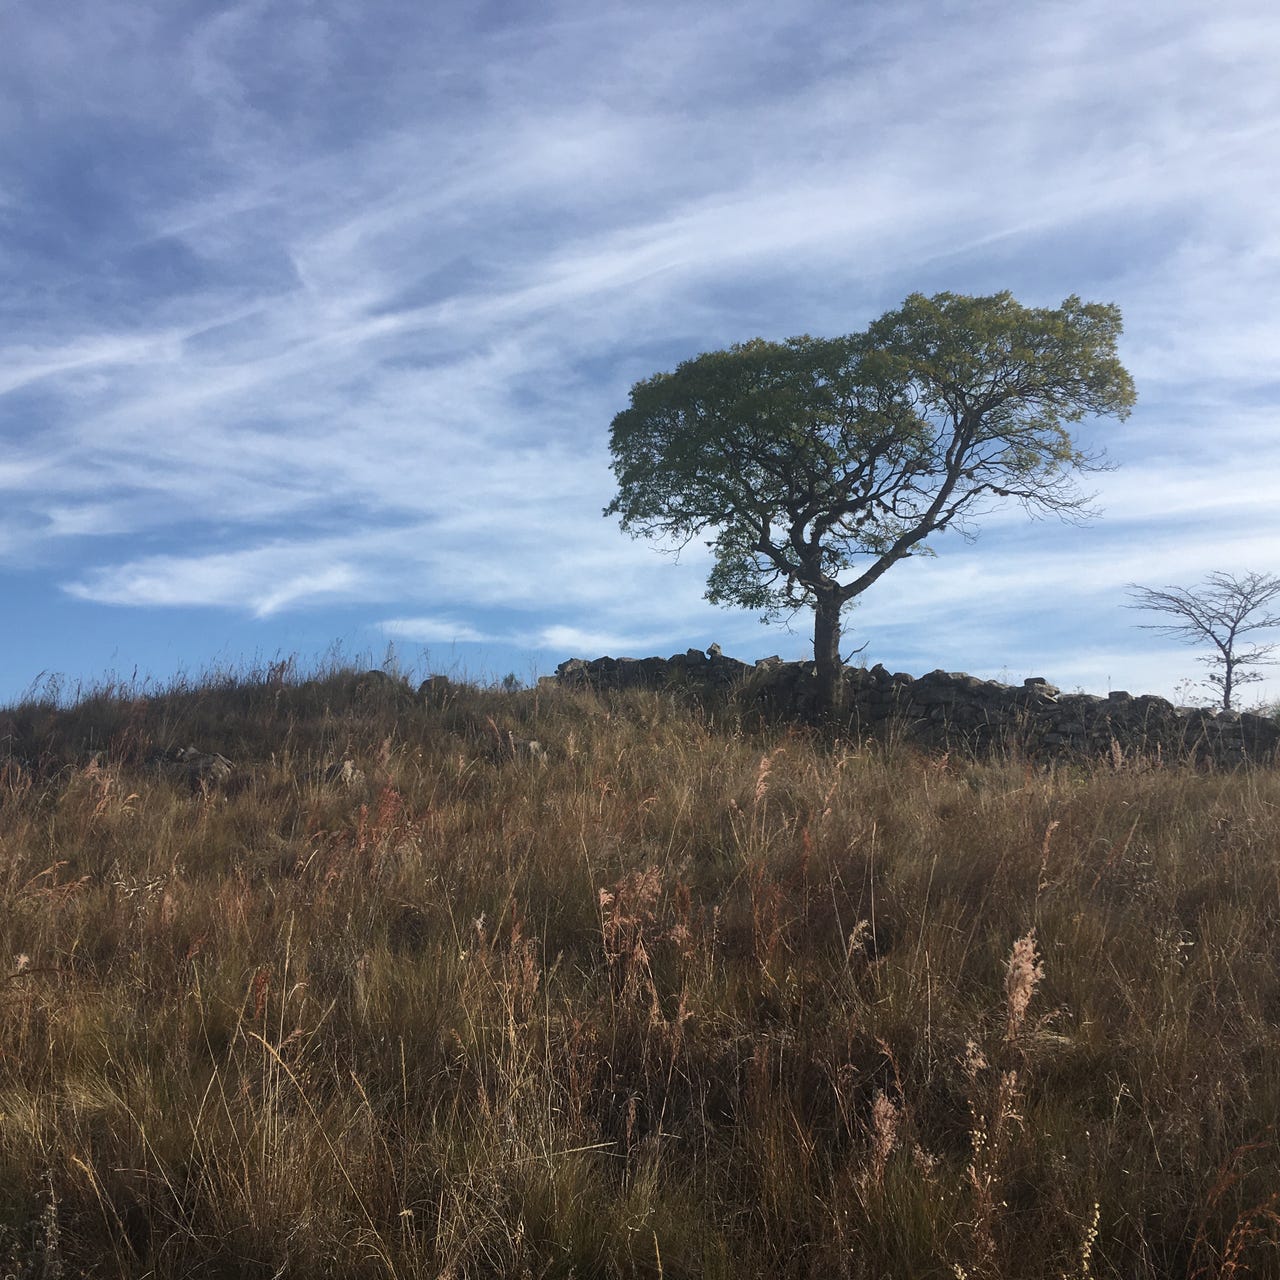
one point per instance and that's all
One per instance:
(307, 588)
(25, 364)
(264, 580)
(433, 631)
(577, 640)
(423, 271)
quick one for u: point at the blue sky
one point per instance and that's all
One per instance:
(316, 314)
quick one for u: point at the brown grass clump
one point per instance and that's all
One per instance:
(672, 996)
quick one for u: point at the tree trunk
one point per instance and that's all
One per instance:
(826, 653)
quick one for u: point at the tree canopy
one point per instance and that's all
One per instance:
(815, 464)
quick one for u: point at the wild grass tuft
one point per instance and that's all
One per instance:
(679, 996)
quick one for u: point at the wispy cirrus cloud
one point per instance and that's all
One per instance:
(427, 630)
(557, 638)
(265, 581)
(332, 304)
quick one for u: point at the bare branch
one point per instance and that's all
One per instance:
(1219, 612)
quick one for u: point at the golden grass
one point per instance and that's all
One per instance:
(684, 999)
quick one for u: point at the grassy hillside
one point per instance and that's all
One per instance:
(680, 999)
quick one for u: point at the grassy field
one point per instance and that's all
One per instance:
(684, 998)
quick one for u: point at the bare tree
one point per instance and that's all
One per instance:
(1220, 612)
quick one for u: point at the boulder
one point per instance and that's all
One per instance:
(344, 773)
(1038, 684)
(435, 689)
(199, 769)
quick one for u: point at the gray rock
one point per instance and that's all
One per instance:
(573, 673)
(652, 672)
(436, 688)
(200, 769)
(1038, 684)
(952, 709)
(344, 773)
(377, 685)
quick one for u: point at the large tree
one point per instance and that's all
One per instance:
(815, 464)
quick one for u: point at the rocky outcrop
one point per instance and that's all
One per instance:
(435, 690)
(344, 773)
(702, 672)
(948, 710)
(198, 769)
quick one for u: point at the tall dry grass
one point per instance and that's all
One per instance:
(687, 998)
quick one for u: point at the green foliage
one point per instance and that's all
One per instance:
(805, 458)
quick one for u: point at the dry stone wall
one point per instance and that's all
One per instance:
(951, 710)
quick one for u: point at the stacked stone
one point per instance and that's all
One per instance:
(702, 672)
(952, 709)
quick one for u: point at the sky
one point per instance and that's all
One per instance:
(316, 315)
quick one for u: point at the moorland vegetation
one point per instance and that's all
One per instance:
(684, 995)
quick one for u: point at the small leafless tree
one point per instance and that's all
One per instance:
(1221, 612)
